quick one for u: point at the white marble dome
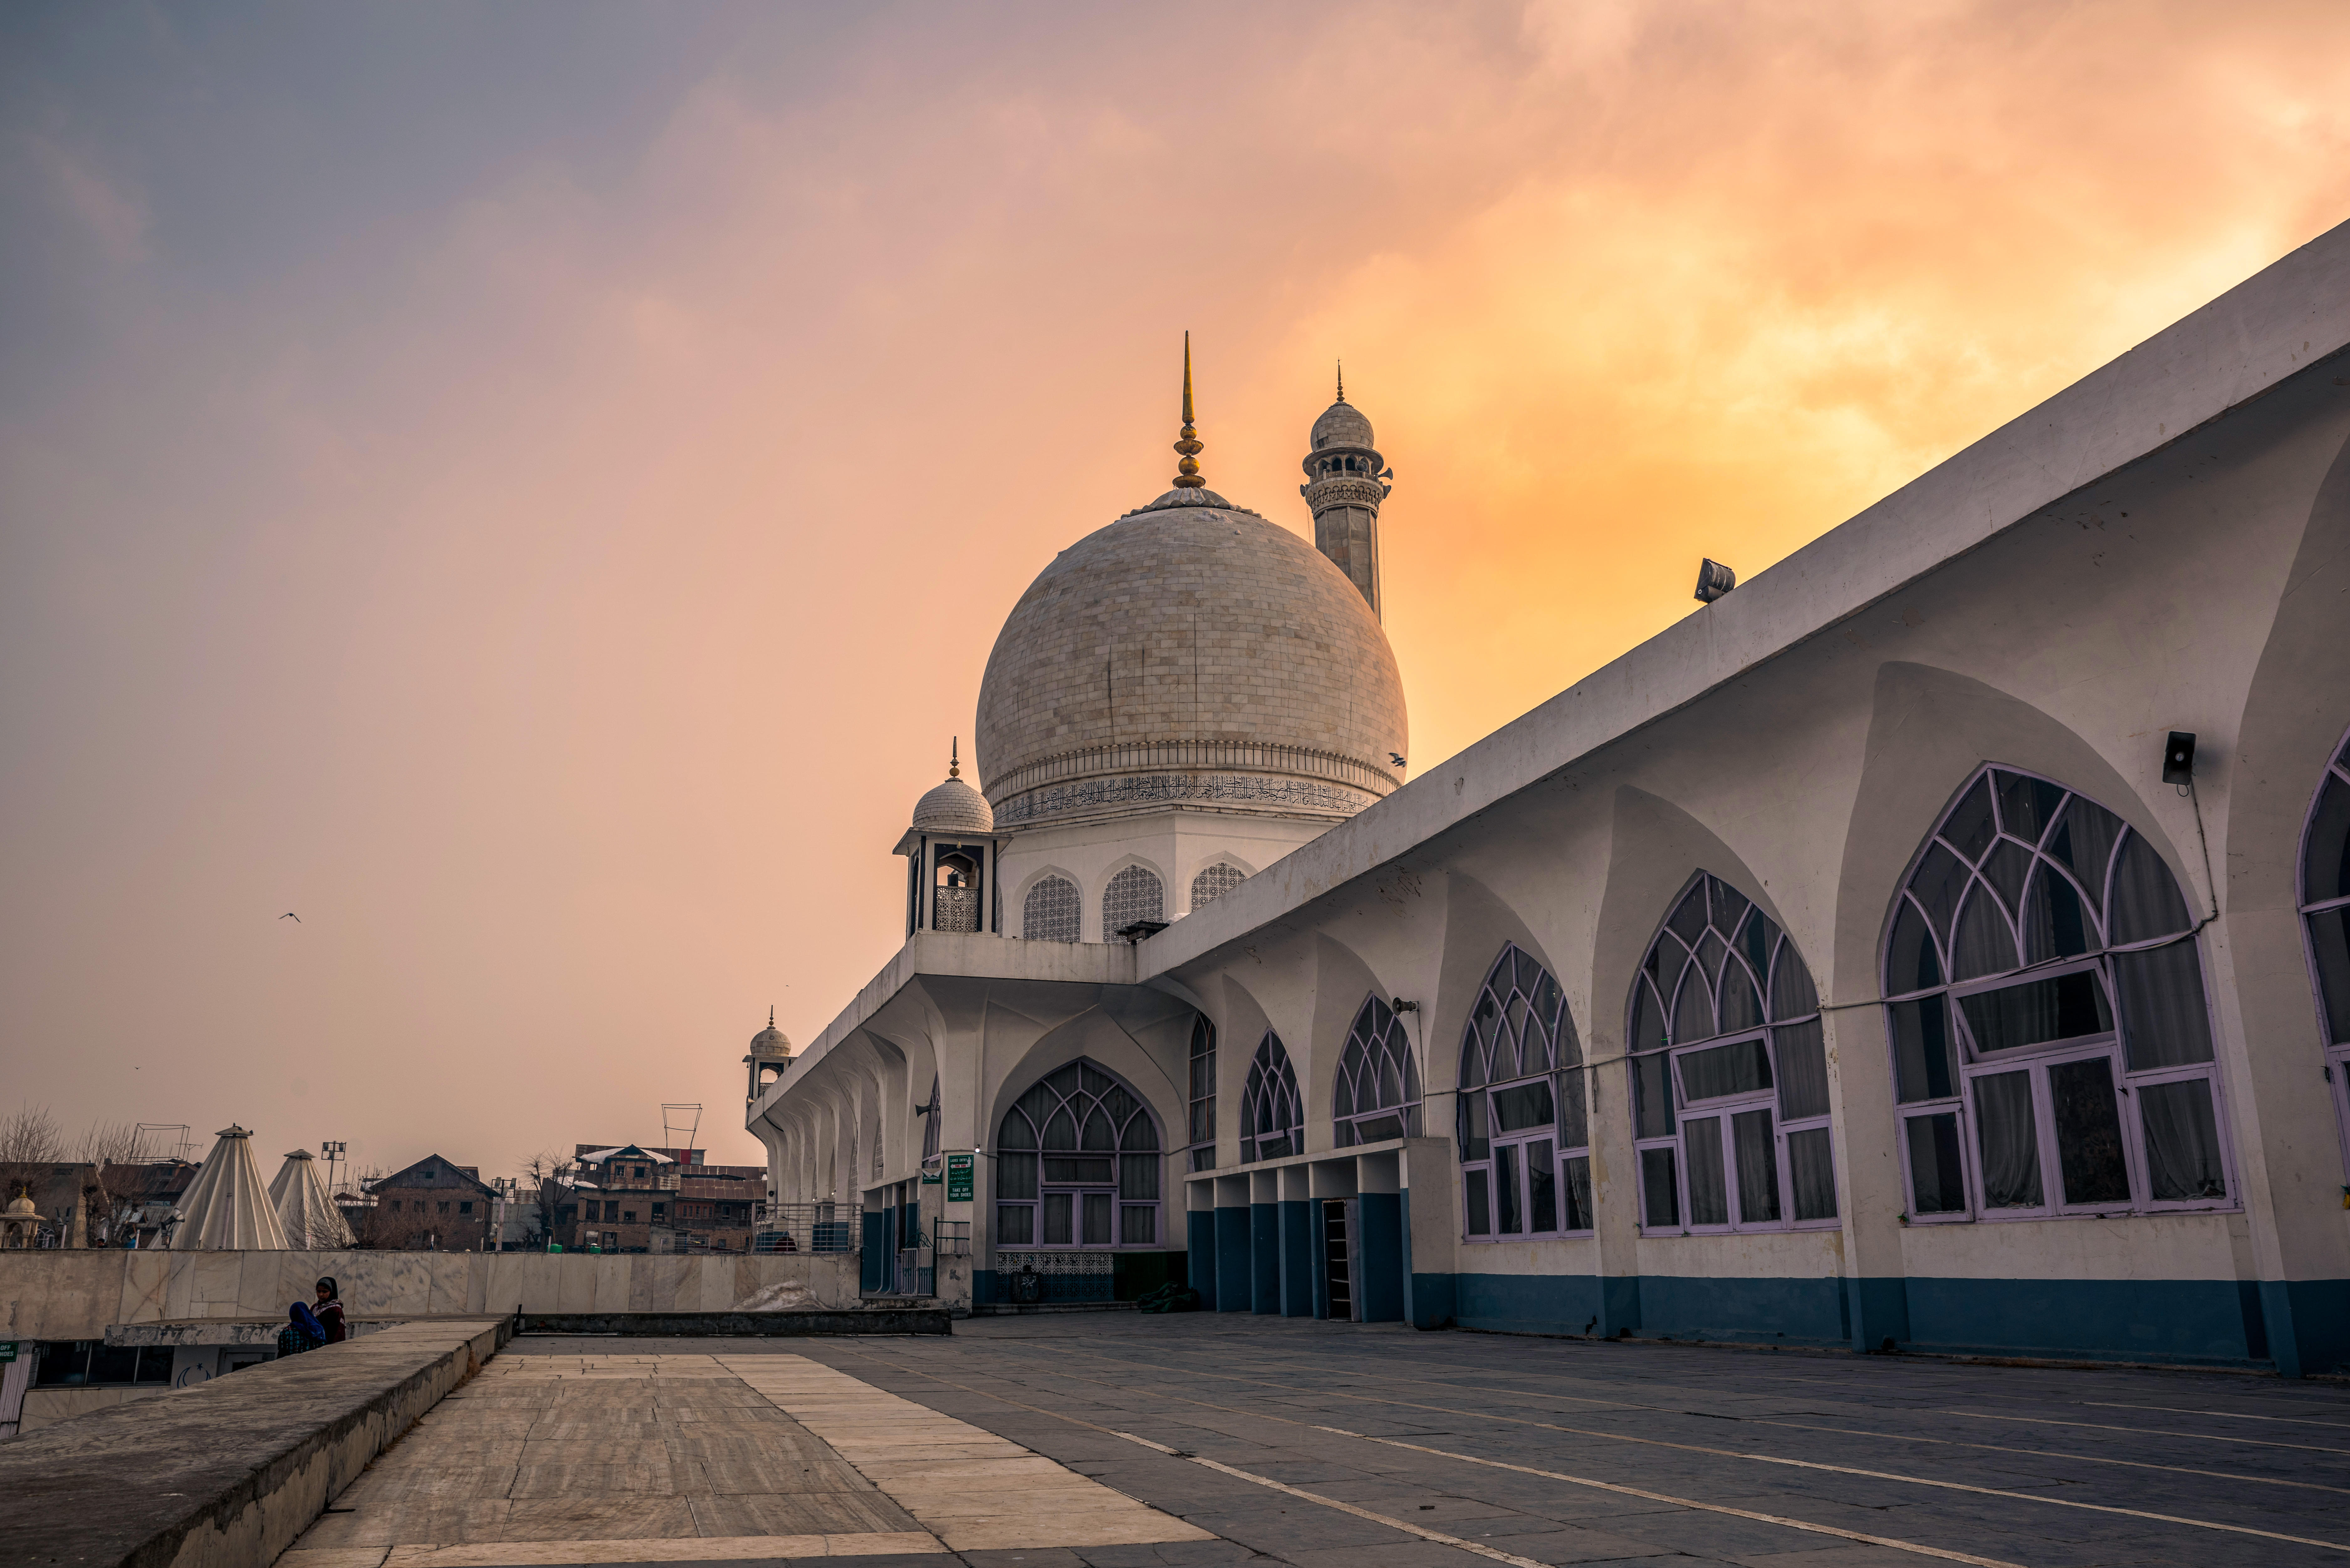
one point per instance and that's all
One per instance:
(953, 807)
(1192, 653)
(1341, 424)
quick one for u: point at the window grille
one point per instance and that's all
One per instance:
(2052, 1046)
(1077, 1164)
(1049, 913)
(2325, 922)
(1523, 1119)
(1213, 883)
(1273, 1121)
(1201, 1131)
(1730, 1088)
(1377, 1093)
(1134, 894)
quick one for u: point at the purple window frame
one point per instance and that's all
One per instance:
(1272, 1113)
(2010, 799)
(1201, 1107)
(1129, 1195)
(1375, 1095)
(2328, 951)
(1520, 1044)
(1717, 951)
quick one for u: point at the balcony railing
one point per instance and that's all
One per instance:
(807, 1227)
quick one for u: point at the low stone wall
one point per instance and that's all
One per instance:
(72, 1294)
(744, 1324)
(227, 1474)
(47, 1407)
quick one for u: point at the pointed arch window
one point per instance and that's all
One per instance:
(930, 1128)
(1377, 1095)
(2052, 1046)
(1135, 894)
(1201, 1131)
(1730, 1083)
(1077, 1164)
(2325, 922)
(1213, 882)
(1524, 1128)
(1049, 912)
(1273, 1120)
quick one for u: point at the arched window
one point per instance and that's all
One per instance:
(2325, 920)
(1134, 894)
(1076, 1161)
(1523, 1125)
(1213, 883)
(1273, 1120)
(1202, 1130)
(955, 905)
(1377, 1093)
(1729, 1079)
(1049, 913)
(2051, 1049)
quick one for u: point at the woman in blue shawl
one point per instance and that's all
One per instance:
(303, 1331)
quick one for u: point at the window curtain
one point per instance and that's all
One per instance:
(2182, 1141)
(2011, 1147)
(2162, 1006)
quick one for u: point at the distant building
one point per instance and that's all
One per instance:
(631, 1199)
(434, 1205)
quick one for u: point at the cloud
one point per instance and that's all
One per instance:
(552, 523)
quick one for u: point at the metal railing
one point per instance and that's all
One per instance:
(807, 1227)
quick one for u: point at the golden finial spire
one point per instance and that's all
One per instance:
(1187, 473)
(1342, 380)
(771, 1015)
(954, 758)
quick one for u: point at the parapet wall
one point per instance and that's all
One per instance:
(74, 1294)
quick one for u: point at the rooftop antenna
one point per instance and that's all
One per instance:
(692, 1124)
(181, 1147)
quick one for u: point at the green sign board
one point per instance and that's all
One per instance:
(8, 1351)
(959, 1177)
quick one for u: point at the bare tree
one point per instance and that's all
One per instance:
(549, 1175)
(117, 1155)
(31, 1146)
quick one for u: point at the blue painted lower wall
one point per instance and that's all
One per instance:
(2299, 1327)
(1233, 1290)
(1200, 1245)
(1297, 1293)
(1264, 1258)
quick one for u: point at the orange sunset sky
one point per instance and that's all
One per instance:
(532, 488)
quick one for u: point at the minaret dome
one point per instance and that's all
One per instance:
(1346, 481)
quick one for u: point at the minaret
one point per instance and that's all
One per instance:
(1345, 479)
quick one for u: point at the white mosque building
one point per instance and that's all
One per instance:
(1941, 941)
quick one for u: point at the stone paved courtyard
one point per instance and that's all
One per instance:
(1121, 1441)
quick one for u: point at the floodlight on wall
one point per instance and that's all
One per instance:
(1713, 580)
(2179, 758)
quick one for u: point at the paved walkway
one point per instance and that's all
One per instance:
(1116, 1441)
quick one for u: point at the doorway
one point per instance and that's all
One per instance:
(1340, 1222)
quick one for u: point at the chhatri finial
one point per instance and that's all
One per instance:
(954, 758)
(1187, 474)
(771, 1015)
(1342, 380)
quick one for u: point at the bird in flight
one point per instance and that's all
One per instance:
(1396, 757)
(290, 915)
